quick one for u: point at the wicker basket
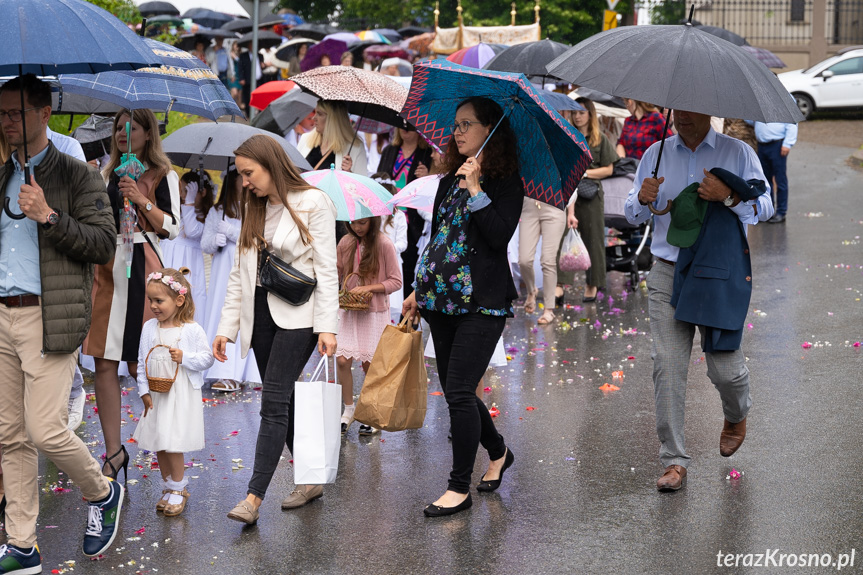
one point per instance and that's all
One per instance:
(159, 384)
(351, 301)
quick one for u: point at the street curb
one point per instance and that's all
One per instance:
(857, 158)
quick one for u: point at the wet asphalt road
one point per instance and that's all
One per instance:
(581, 496)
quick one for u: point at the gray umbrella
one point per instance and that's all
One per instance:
(678, 67)
(285, 112)
(216, 142)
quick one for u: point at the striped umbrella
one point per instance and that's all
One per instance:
(476, 56)
(372, 36)
(356, 197)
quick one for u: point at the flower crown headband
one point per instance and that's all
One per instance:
(168, 281)
(384, 181)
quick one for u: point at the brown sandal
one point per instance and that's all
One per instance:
(530, 302)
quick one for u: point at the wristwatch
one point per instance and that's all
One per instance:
(149, 206)
(53, 219)
(729, 201)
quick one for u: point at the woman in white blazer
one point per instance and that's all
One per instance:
(297, 222)
(332, 142)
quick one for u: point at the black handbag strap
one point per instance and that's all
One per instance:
(149, 241)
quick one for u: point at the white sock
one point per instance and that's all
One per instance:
(165, 495)
(175, 499)
(349, 410)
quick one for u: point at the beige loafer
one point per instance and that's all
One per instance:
(244, 512)
(302, 495)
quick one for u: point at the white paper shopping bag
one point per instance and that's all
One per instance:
(317, 429)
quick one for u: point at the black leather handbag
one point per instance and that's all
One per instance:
(283, 280)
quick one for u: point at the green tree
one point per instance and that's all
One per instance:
(125, 10)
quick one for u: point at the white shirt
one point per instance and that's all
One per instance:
(65, 144)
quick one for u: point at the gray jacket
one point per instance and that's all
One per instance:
(85, 235)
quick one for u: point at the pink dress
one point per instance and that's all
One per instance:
(360, 331)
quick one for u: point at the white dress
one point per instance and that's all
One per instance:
(185, 250)
(398, 235)
(236, 367)
(176, 422)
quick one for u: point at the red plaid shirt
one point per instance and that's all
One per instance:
(638, 135)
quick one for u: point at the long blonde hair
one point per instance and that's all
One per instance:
(594, 134)
(152, 156)
(286, 178)
(338, 132)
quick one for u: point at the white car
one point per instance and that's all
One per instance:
(836, 82)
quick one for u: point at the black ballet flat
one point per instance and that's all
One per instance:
(559, 300)
(433, 510)
(490, 485)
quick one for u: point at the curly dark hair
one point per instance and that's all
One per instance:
(500, 156)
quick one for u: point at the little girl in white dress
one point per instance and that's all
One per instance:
(172, 346)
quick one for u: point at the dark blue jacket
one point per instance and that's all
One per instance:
(713, 277)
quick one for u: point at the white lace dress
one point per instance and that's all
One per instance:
(176, 422)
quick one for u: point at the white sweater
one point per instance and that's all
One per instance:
(197, 353)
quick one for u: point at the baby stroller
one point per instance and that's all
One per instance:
(627, 247)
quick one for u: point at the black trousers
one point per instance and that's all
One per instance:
(281, 355)
(463, 347)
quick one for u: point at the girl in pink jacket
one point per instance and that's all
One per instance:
(368, 253)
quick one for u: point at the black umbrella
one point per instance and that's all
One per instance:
(601, 97)
(290, 48)
(240, 25)
(285, 112)
(314, 31)
(270, 20)
(727, 35)
(529, 58)
(188, 41)
(208, 18)
(358, 48)
(411, 31)
(681, 68)
(164, 20)
(266, 39)
(148, 9)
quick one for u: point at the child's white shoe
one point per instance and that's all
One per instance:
(348, 416)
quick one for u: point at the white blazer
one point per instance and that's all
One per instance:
(358, 154)
(317, 259)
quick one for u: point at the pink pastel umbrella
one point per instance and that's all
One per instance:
(419, 194)
(356, 197)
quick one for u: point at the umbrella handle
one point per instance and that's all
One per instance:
(661, 212)
(12, 214)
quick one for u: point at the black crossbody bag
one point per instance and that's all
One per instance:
(283, 280)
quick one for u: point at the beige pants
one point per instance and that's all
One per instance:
(538, 219)
(33, 416)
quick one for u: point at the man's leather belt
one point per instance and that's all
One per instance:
(669, 262)
(25, 300)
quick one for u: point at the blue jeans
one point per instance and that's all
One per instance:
(773, 164)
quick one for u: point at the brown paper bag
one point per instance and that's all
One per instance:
(395, 391)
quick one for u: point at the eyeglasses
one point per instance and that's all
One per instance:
(462, 126)
(15, 115)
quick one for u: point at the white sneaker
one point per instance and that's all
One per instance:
(76, 411)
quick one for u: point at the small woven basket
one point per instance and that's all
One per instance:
(159, 384)
(353, 301)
